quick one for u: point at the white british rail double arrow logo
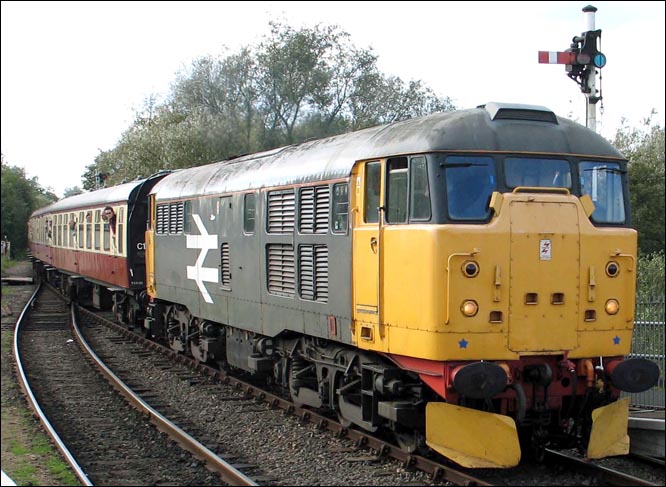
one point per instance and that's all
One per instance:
(198, 273)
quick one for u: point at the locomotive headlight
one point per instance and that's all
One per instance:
(612, 306)
(469, 308)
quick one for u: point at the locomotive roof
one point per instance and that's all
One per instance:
(490, 127)
(107, 196)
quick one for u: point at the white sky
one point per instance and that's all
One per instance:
(74, 72)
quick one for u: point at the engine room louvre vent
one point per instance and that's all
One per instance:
(281, 211)
(225, 265)
(169, 218)
(532, 113)
(313, 272)
(281, 270)
(313, 209)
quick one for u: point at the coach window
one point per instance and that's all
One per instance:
(58, 234)
(72, 230)
(89, 229)
(61, 219)
(396, 190)
(65, 230)
(249, 212)
(96, 230)
(340, 208)
(419, 189)
(81, 227)
(120, 232)
(106, 237)
(470, 180)
(371, 193)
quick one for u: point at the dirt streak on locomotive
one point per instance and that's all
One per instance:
(464, 280)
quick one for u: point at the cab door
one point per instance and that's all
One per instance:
(367, 179)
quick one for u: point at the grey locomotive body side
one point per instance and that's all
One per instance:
(235, 267)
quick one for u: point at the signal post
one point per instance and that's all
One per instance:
(582, 61)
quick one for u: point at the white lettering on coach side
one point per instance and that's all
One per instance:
(198, 273)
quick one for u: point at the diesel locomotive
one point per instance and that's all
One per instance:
(464, 281)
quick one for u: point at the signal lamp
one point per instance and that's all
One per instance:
(583, 58)
(469, 308)
(612, 306)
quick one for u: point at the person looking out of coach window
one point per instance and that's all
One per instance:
(109, 217)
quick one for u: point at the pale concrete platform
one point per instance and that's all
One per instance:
(646, 430)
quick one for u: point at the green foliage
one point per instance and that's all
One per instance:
(7, 263)
(72, 191)
(20, 197)
(295, 85)
(644, 148)
(651, 277)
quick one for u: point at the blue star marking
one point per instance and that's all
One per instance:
(616, 340)
(463, 343)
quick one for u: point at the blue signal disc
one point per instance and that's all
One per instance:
(599, 60)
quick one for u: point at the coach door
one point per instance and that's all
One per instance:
(367, 179)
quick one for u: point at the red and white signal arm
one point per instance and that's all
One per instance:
(556, 57)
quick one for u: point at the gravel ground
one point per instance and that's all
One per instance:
(290, 453)
(21, 432)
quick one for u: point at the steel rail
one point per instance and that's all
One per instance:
(25, 386)
(608, 475)
(227, 472)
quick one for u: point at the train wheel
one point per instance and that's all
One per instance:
(174, 331)
(340, 404)
(197, 352)
(410, 441)
(195, 343)
(131, 317)
(343, 421)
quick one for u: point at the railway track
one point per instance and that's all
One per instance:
(248, 397)
(105, 440)
(226, 399)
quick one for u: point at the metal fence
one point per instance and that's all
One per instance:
(648, 342)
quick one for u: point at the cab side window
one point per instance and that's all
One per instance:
(396, 190)
(371, 192)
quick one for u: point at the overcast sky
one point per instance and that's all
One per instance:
(73, 73)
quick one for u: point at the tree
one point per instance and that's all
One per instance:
(20, 197)
(294, 73)
(381, 100)
(644, 149)
(295, 85)
(72, 191)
